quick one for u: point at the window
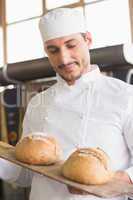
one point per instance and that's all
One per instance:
(1, 49)
(24, 41)
(23, 36)
(50, 4)
(20, 10)
(93, 1)
(109, 22)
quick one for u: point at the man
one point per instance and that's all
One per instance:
(84, 108)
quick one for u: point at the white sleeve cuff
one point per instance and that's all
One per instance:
(9, 171)
(129, 171)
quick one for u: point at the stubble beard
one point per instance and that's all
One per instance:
(70, 79)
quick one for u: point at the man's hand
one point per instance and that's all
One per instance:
(123, 176)
(119, 175)
(74, 190)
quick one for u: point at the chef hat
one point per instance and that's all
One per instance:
(61, 22)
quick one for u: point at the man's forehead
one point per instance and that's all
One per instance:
(64, 39)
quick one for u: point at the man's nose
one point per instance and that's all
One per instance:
(64, 56)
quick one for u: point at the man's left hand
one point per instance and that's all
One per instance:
(122, 176)
(119, 175)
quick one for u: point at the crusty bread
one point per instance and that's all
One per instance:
(38, 149)
(87, 166)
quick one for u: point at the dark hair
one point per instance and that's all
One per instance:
(83, 35)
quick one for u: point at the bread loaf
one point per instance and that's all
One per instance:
(88, 166)
(38, 149)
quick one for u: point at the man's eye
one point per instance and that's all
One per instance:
(52, 51)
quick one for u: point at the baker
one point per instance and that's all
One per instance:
(83, 109)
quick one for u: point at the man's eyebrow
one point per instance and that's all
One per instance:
(71, 40)
(51, 47)
(55, 47)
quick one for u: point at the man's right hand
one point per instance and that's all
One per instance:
(74, 190)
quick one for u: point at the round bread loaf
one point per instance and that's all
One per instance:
(38, 149)
(88, 166)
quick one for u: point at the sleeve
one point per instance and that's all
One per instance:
(128, 133)
(13, 173)
(33, 122)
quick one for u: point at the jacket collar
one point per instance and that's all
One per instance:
(85, 79)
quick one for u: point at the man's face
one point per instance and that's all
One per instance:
(69, 56)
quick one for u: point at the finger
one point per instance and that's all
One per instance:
(76, 191)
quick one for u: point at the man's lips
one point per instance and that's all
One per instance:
(68, 66)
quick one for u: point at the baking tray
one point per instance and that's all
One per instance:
(108, 190)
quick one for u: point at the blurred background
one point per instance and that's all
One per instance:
(24, 67)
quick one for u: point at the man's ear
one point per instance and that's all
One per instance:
(88, 38)
(45, 50)
(44, 47)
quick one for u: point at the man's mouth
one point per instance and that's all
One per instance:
(68, 66)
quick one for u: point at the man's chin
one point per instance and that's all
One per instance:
(71, 79)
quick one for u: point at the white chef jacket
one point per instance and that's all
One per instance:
(97, 111)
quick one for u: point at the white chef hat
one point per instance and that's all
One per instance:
(61, 22)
